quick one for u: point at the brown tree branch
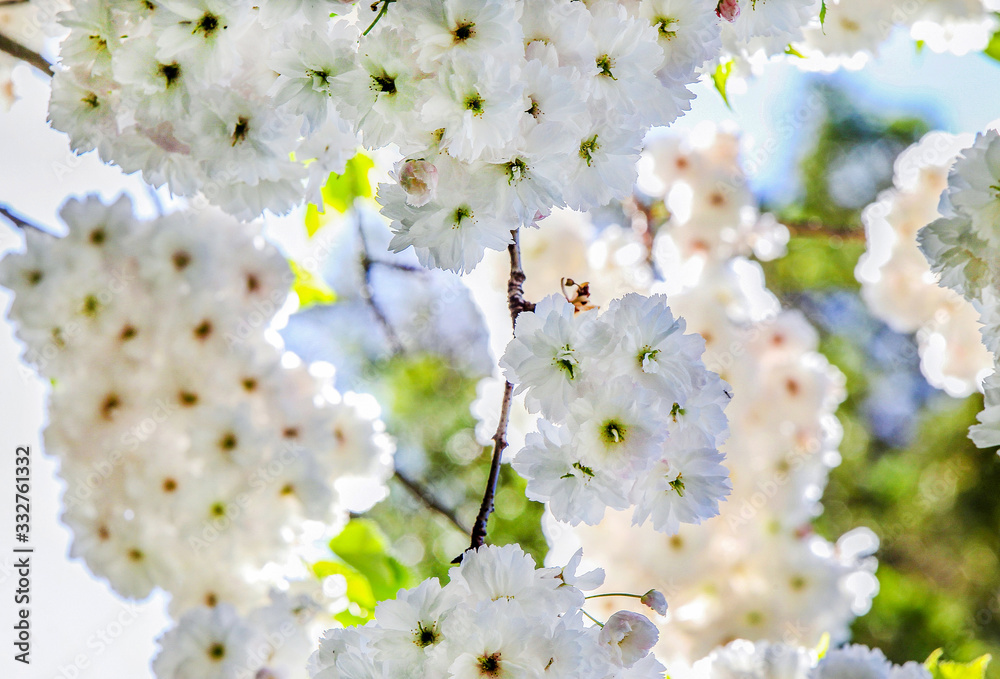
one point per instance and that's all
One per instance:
(516, 303)
(22, 223)
(19, 51)
(425, 496)
(395, 343)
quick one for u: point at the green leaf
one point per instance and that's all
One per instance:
(310, 288)
(720, 77)
(920, 44)
(359, 590)
(315, 219)
(975, 669)
(340, 192)
(361, 598)
(362, 546)
(794, 52)
(993, 48)
(822, 16)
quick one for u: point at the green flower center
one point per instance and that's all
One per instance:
(462, 212)
(474, 103)
(587, 149)
(613, 432)
(663, 25)
(604, 63)
(384, 83)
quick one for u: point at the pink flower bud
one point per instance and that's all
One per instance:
(628, 637)
(655, 600)
(728, 10)
(419, 179)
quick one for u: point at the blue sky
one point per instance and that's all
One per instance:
(956, 94)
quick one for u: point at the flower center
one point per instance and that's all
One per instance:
(170, 72)
(587, 149)
(425, 636)
(613, 432)
(663, 25)
(240, 130)
(462, 212)
(207, 25)
(463, 31)
(384, 83)
(604, 63)
(474, 103)
(489, 665)
(647, 353)
(516, 170)
(564, 359)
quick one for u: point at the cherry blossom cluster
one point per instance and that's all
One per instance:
(498, 616)
(631, 417)
(963, 247)
(896, 280)
(853, 30)
(274, 639)
(815, 36)
(712, 214)
(193, 452)
(509, 107)
(758, 566)
(764, 660)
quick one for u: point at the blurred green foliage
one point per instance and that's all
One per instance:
(848, 162)
(934, 502)
(429, 415)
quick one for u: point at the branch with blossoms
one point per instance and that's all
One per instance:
(517, 304)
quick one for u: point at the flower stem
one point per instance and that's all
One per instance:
(599, 623)
(381, 13)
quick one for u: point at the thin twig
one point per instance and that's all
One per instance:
(516, 303)
(397, 265)
(19, 51)
(425, 496)
(366, 294)
(22, 223)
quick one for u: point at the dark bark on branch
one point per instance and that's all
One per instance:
(516, 303)
(425, 496)
(19, 51)
(366, 294)
(22, 223)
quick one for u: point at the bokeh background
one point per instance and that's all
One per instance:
(819, 148)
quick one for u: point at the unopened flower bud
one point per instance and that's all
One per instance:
(419, 179)
(655, 600)
(629, 637)
(728, 10)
